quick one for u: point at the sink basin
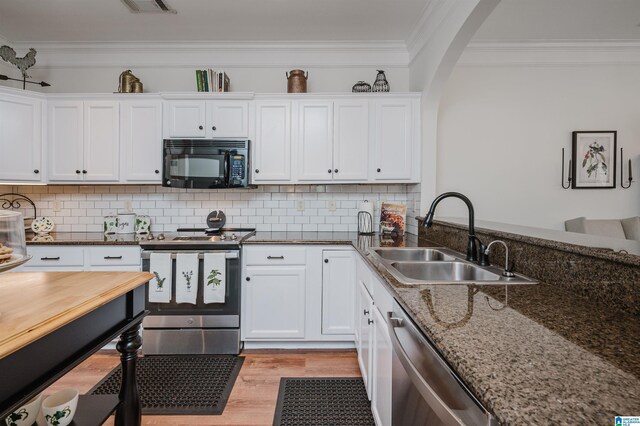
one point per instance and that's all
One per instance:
(413, 254)
(444, 271)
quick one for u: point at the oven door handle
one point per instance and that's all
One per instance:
(228, 255)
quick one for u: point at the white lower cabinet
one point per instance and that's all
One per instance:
(381, 370)
(364, 308)
(55, 258)
(338, 291)
(274, 302)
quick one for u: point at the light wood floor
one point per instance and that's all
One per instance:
(253, 398)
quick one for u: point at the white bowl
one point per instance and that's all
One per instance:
(27, 414)
(58, 409)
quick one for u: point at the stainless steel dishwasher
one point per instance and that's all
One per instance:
(425, 390)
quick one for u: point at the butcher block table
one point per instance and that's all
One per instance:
(52, 321)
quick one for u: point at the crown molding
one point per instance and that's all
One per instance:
(551, 53)
(215, 54)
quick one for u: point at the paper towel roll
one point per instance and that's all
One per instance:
(366, 206)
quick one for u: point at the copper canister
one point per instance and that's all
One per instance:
(297, 81)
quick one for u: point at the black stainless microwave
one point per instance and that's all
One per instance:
(205, 164)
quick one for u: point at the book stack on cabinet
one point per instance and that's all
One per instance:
(212, 81)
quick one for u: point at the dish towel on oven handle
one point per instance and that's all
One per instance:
(215, 283)
(160, 287)
(186, 278)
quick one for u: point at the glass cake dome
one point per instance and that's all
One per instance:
(13, 249)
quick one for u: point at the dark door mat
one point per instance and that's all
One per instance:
(179, 384)
(323, 401)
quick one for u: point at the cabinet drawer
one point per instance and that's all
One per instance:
(275, 255)
(56, 256)
(114, 256)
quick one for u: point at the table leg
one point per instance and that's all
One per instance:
(129, 411)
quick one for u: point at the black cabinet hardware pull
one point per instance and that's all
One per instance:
(200, 127)
(214, 128)
(335, 171)
(84, 172)
(36, 171)
(113, 257)
(370, 321)
(257, 171)
(50, 258)
(248, 278)
(379, 170)
(366, 312)
(157, 171)
(329, 170)
(326, 261)
(78, 172)
(275, 257)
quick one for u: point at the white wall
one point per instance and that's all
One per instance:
(248, 79)
(501, 130)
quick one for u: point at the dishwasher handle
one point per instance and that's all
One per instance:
(443, 411)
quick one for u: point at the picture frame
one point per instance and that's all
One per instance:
(594, 159)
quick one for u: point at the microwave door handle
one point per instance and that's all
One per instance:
(227, 168)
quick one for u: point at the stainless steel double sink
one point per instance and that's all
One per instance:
(414, 266)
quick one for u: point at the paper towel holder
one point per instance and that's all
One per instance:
(365, 223)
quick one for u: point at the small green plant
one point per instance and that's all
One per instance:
(187, 276)
(15, 416)
(55, 419)
(212, 278)
(159, 281)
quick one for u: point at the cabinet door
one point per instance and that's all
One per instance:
(351, 140)
(274, 302)
(20, 139)
(315, 141)
(228, 119)
(364, 326)
(141, 140)
(65, 141)
(381, 371)
(101, 141)
(338, 292)
(185, 119)
(272, 147)
(393, 147)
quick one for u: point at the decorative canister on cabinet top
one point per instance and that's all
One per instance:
(297, 81)
(361, 87)
(381, 84)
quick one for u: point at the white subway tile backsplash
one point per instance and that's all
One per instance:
(268, 208)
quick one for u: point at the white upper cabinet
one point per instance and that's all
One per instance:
(394, 140)
(65, 140)
(101, 141)
(351, 140)
(272, 145)
(227, 119)
(141, 141)
(20, 139)
(84, 141)
(338, 292)
(185, 119)
(315, 141)
(206, 119)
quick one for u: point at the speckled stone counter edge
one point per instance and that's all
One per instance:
(611, 279)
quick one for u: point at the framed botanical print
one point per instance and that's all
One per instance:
(594, 159)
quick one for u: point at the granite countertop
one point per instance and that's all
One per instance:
(531, 354)
(83, 238)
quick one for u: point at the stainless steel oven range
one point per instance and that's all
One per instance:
(183, 328)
